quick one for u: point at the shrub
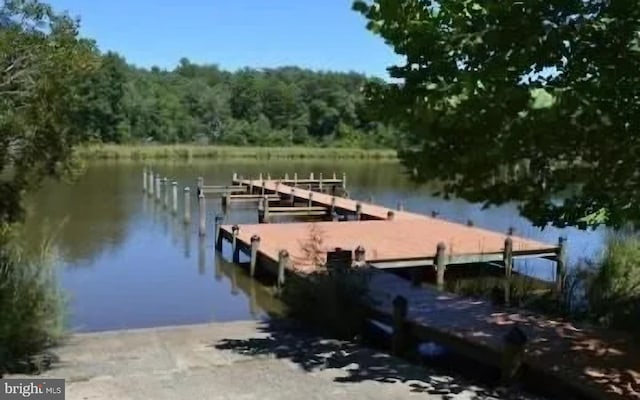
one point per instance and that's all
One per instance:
(614, 292)
(32, 307)
(331, 302)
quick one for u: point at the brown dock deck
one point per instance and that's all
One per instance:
(387, 244)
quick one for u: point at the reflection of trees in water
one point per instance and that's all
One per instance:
(87, 217)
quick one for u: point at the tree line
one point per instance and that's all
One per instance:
(203, 103)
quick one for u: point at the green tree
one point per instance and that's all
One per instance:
(43, 65)
(490, 85)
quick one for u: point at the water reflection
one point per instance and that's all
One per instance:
(127, 260)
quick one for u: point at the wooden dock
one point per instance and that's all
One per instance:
(596, 363)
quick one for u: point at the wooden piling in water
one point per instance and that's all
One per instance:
(217, 223)
(283, 261)
(507, 257)
(202, 214)
(560, 264)
(187, 205)
(144, 180)
(440, 264)
(165, 196)
(158, 189)
(235, 230)
(358, 211)
(255, 245)
(174, 197)
(151, 183)
(399, 336)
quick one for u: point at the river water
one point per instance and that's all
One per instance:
(125, 262)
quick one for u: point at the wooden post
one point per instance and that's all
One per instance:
(333, 205)
(234, 243)
(344, 181)
(390, 215)
(226, 200)
(334, 176)
(174, 197)
(514, 343)
(266, 218)
(200, 185)
(295, 179)
(144, 180)
(440, 264)
(165, 184)
(187, 205)
(320, 182)
(358, 211)
(158, 189)
(286, 176)
(255, 245)
(262, 188)
(278, 186)
(311, 176)
(251, 186)
(234, 177)
(359, 256)
(469, 222)
(217, 230)
(399, 339)
(310, 199)
(151, 183)
(261, 210)
(561, 259)
(283, 261)
(400, 206)
(202, 214)
(268, 176)
(293, 196)
(260, 177)
(507, 257)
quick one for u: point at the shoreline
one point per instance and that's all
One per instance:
(213, 152)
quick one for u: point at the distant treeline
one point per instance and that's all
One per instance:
(202, 103)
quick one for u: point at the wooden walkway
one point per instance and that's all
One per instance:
(598, 363)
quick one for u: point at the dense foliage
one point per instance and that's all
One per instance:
(202, 103)
(489, 84)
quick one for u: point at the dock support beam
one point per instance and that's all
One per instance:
(255, 245)
(508, 266)
(560, 264)
(283, 261)
(440, 264)
(234, 243)
(202, 213)
(187, 205)
(400, 311)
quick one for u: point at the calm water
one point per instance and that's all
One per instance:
(127, 263)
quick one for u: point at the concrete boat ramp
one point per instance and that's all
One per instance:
(243, 360)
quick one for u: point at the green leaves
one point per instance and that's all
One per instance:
(488, 85)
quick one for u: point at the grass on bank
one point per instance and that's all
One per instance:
(166, 152)
(32, 307)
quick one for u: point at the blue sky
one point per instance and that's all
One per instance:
(320, 34)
